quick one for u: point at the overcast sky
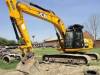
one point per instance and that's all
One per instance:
(70, 11)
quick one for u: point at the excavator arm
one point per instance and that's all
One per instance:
(18, 23)
(16, 8)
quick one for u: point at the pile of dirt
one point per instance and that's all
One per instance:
(55, 69)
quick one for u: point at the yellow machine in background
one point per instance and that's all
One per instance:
(72, 43)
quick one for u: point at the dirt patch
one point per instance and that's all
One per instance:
(54, 69)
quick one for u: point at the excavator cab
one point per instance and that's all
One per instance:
(74, 37)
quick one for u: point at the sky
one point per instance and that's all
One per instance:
(70, 11)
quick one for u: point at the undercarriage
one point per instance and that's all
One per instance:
(71, 58)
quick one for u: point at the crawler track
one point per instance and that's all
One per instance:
(67, 58)
(94, 56)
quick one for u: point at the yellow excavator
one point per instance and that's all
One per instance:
(71, 39)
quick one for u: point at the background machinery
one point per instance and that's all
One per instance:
(8, 55)
(72, 43)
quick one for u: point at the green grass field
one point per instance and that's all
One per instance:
(39, 52)
(9, 65)
(97, 50)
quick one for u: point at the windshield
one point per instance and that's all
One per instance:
(74, 39)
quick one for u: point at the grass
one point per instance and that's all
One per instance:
(97, 50)
(96, 63)
(39, 53)
(8, 65)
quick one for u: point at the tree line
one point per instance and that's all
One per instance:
(5, 42)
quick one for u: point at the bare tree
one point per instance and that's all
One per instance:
(94, 23)
(93, 26)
